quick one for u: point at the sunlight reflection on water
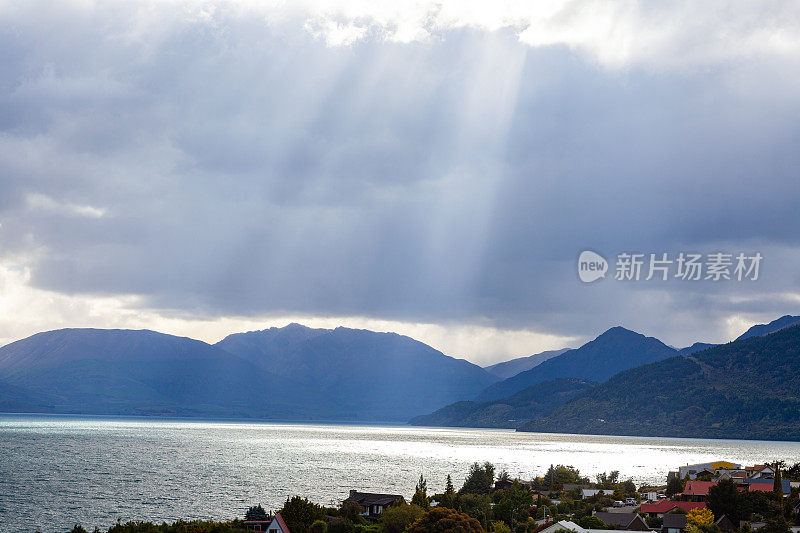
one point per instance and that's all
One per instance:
(56, 471)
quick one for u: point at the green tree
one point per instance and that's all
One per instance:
(448, 486)
(443, 520)
(592, 522)
(480, 479)
(607, 481)
(255, 513)
(420, 499)
(319, 526)
(775, 524)
(351, 511)
(299, 514)
(674, 486)
(500, 527)
(340, 525)
(723, 499)
(777, 485)
(396, 518)
(513, 504)
(422, 485)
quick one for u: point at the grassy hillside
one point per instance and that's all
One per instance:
(747, 389)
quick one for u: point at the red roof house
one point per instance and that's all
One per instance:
(697, 491)
(662, 507)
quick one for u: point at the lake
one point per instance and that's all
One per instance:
(56, 471)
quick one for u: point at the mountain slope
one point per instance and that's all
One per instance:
(615, 350)
(529, 404)
(696, 347)
(269, 348)
(745, 389)
(765, 329)
(364, 375)
(507, 369)
(138, 372)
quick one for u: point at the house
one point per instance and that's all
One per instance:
(373, 504)
(505, 484)
(563, 525)
(767, 485)
(627, 521)
(674, 523)
(696, 491)
(651, 495)
(272, 525)
(693, 470)
(662, 507)
(588, 493)
(725, 524)
(759, 471)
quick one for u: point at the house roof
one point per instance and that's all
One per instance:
(368, 498)
(767, 485)
(674, 520)
(618, 519)
(664, 506)
(698, 488)
(281, 523)
(564, 525)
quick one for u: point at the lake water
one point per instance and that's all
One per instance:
(59, 470)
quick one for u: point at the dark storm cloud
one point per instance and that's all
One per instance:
(237, 165)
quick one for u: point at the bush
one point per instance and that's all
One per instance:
(443, 520)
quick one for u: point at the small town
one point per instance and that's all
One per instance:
(714, 497)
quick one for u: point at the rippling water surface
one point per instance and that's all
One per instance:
(58, 471)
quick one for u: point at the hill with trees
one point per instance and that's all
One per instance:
(615, 350)
(748, 388)
(529, 404)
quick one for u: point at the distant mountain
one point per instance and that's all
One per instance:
(513, 367)
(615, 350)
(775, 325)
(359, 374)
(696, 347)
(138, 372)
(746, 389)
(529, 404)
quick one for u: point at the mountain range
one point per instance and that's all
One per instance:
(288, 373)
(532, 403)
(747, 389)
(507, 369)
(360, 374)
(615, 350)
(621, 382)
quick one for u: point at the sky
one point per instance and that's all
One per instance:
(431, 168)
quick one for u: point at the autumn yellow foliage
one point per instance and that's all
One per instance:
(700, 517)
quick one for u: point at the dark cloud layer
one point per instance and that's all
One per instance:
(237, 165)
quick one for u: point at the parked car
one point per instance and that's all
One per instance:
(630, 501)
(618, 503)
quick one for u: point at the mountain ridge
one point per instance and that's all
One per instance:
(616, 348)
(719, 397)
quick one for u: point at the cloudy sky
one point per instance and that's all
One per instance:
(430, 168)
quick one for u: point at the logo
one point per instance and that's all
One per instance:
(591, 266)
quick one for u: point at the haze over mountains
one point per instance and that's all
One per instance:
(749, 389)
(363, 375)
(615, 350)
(291, 373)
(300, 373)
(511, 368)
